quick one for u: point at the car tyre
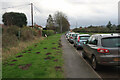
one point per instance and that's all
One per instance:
(83, 55)
(95, 65)
(77, 48)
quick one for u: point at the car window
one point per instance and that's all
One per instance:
(73, 34)
(84, 37)
(93, 41)
(111, 42)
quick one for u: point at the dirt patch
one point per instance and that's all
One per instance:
(56, 60)
(19, 56)
(12, 64)
(24, 67)
(54, 48)
(23, 52)
(60, 45)
(14, 60)
(58, 68)
(53, 43)
(37, 52)
(47, 58)
(29, 52)
(48, 53)
(44, 48)
(35, 45)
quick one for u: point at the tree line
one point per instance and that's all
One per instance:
(109, 28)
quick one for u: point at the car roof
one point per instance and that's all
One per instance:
(107, 35)
(83, 35)
(72, 33)
(76, 33)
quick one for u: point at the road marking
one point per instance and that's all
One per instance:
(86, 62)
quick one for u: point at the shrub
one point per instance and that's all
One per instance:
(9, 40)
(11, 30)
(26, 34)
(48, 32)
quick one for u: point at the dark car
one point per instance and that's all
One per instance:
(103, 49)
(80, 40)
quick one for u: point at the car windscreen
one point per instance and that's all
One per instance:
(111, 42)
(84, 37)
(73, 34)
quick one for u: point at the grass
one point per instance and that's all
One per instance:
(41, 60)
(9, 52)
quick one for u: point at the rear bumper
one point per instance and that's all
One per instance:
(79, 45)
(71, 40)
(108, 61)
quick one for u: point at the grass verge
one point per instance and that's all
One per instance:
(9, 52)
(41, 60)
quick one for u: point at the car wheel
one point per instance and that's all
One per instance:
(83, 54)
(95, 65)
(74, 45)
(77, 48)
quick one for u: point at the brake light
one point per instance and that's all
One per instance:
(100, 50)
(71, 37)
(78, 39)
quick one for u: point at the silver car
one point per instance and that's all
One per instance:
(80, 39)
(103, 49)
(70, 38)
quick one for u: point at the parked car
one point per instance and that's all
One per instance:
(103, 49)
(76, 34)
(80, 40)
(67, 35)
(70, 37)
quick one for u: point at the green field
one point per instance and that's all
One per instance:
(40, 60)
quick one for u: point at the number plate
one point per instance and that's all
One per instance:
(116, 59)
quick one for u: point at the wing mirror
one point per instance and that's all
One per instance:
(87, 42)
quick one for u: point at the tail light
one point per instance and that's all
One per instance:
(78, 39)
(71, 37)
(100, 50)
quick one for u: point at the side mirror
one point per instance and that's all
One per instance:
(87, 42)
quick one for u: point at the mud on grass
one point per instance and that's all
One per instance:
(41, 60)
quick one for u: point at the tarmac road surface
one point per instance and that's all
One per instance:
(74, 65)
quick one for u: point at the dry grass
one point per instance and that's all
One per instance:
(7, 53)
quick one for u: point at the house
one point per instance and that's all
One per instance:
(38, 26)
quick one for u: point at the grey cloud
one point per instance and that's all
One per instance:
(97, 13)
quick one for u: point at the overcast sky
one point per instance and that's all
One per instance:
(82, 12)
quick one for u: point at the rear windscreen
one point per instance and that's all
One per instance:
(111, 42)
(73, 34)
(84, 37)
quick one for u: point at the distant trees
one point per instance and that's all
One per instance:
(62, 22)
(14, 18)
(109, 28)
(118, 27)
(50, 23)
(109, 25)
(58, 23)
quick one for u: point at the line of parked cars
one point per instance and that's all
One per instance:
(101, 49)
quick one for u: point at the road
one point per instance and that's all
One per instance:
(74, 65)
(106, 71)
(77, 67)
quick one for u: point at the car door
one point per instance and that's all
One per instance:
(87, 46)
(92, 46)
